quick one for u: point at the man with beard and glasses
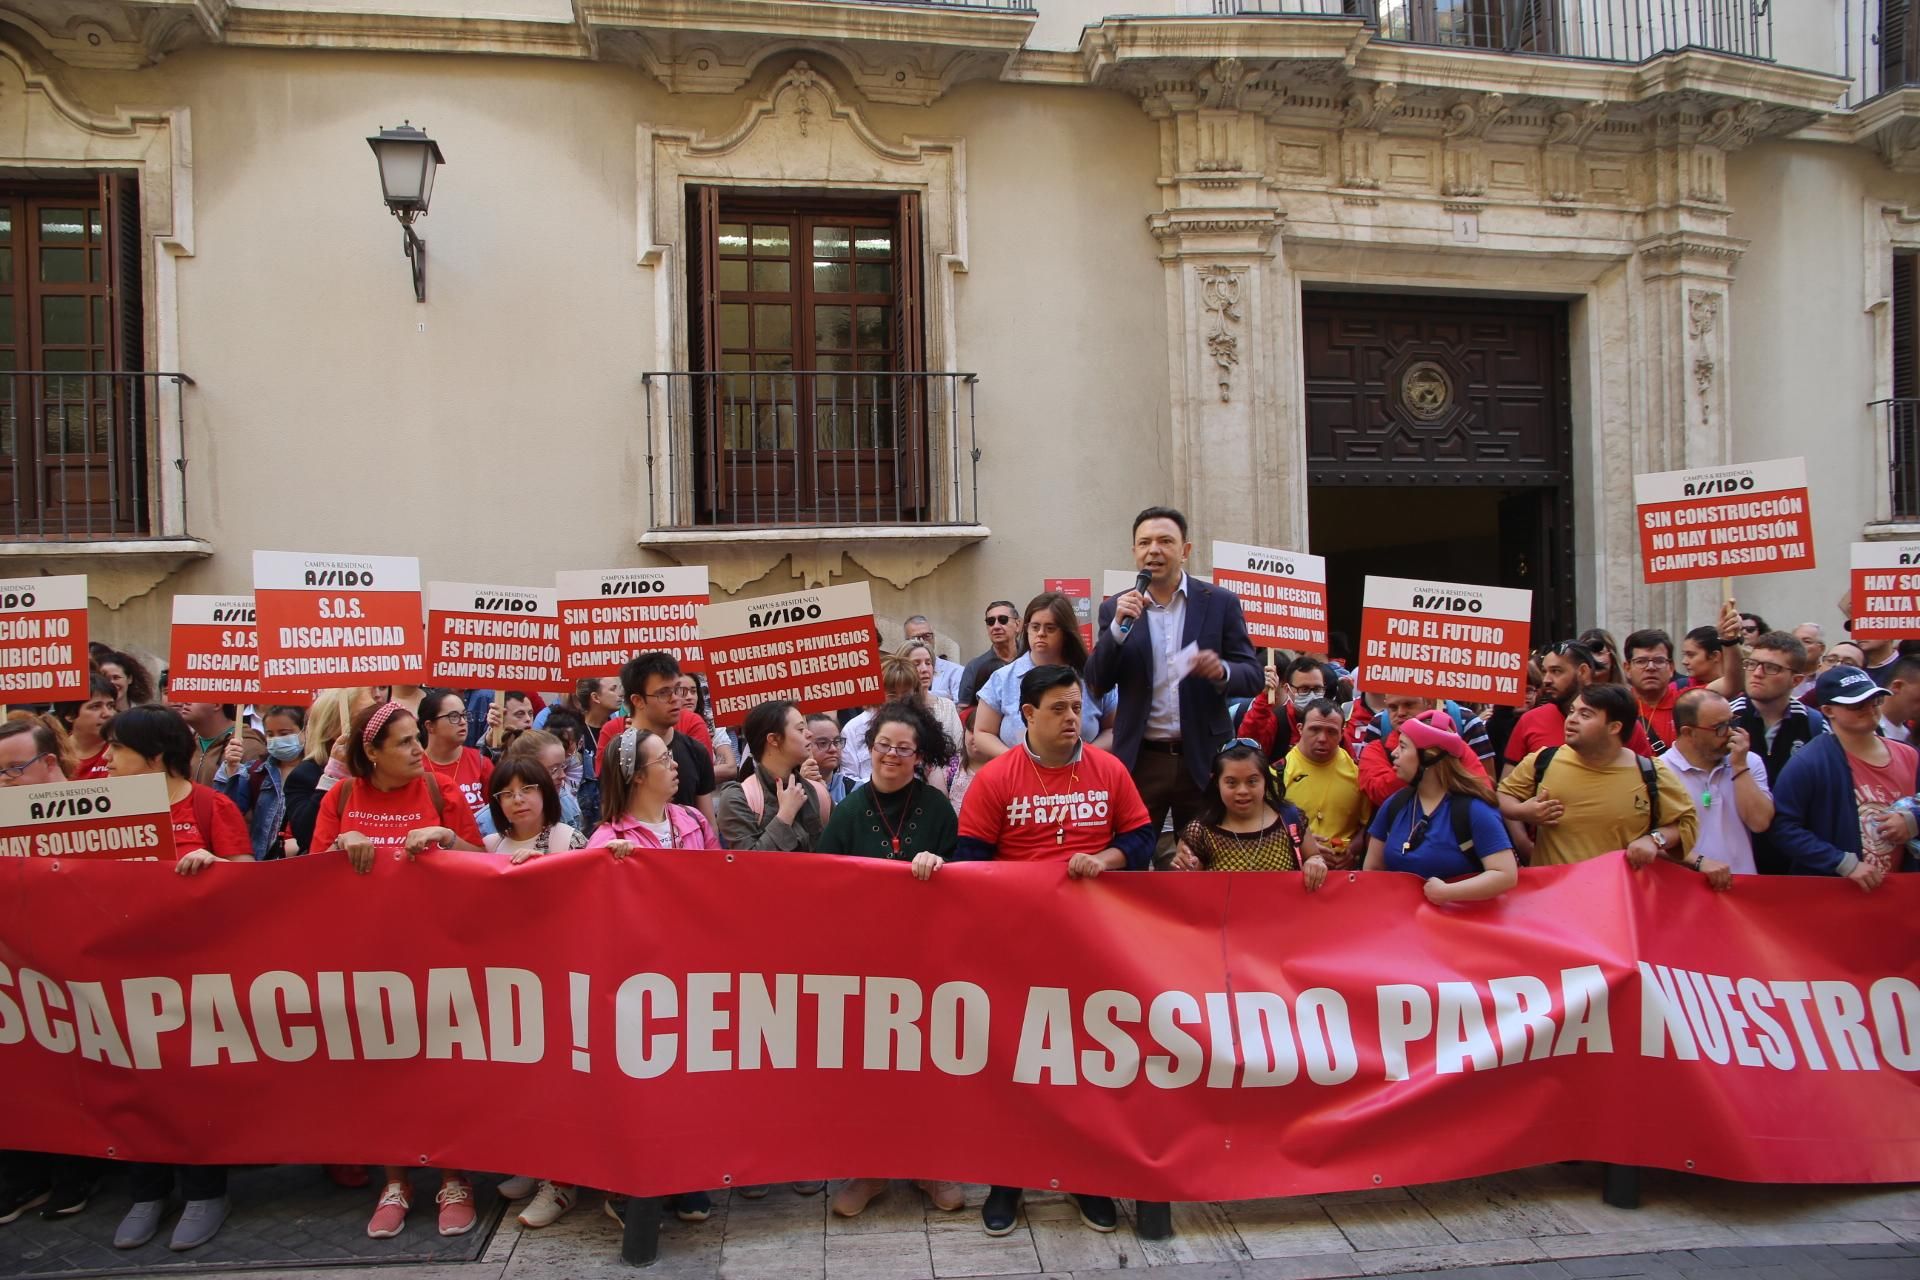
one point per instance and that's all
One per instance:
(1566, 669)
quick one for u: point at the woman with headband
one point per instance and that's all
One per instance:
(638, 779)
(390, 800)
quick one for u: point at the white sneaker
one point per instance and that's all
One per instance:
(518, 1188)
(551, 1201)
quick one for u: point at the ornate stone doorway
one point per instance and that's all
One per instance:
(1439, 442)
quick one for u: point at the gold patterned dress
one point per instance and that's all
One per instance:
(1270, 849)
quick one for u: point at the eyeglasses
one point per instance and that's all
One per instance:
(1831, 659)
(1000, 620)
(1645, 663)
(1248, 743)
(898, 750)
(1754, 666)
(453, 717)
(1720, 730)
(835, 743)
(661, 695)
(1750, 628)
(16, 770)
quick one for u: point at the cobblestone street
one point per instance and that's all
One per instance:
(1546, 1223)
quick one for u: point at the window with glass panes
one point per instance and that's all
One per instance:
(805, 323)
(72, 448)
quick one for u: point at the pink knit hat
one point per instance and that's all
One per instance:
(1434, 730)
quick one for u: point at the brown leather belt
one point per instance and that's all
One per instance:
(1171, 747)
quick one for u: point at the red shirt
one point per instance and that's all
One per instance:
(690, 724)
(93, 766)
(227, 839)
(1030, 813)
(1874, 791)
(385, 817)
(1660, 717)
(1546, 726)
(469, 776)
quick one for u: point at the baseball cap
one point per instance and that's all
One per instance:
(1846, 686)
(1432, 730)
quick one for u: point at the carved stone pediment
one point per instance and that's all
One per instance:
(113, 34)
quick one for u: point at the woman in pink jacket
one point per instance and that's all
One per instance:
(638, 778)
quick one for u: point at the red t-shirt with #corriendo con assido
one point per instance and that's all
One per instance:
(385, 817)
(1030, 813)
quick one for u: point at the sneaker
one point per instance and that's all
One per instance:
(1001, 1211)
(1098, 1212)
(615, 1207)
(752, 1193)
(696, 1206)
(15, 1201)
(808, 1188)
(855, 1194)
(350, 1176)
(456, 1207)
(69, 1196)
(946, 1196)
(199, 1222)
(550, 1204)
(519, 1188)
(391, 1213)
(141, 1224)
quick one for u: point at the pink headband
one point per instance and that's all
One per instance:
(376, 722)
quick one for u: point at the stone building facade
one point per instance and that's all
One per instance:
(937, 295)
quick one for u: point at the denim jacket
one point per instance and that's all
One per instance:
(269, 810)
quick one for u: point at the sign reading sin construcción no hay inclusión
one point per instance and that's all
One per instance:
(43, 637)
(1724, 522)
(1886, 590)
(1426, 638)
(337, 621)
(608, 615)
(482, 637)
(111, 819)
(815, 648)
(1283, 594)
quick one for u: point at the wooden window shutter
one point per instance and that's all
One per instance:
(1906, 334)
(910, 344)
(703, 341)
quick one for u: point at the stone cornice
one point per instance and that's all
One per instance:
(1890, 124)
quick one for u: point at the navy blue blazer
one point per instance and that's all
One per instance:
(1213, 621)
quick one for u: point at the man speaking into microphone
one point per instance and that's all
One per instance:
(1176, 650)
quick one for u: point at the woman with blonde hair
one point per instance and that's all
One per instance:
(1443, 825)
(329, 721)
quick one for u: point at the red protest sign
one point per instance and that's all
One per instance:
(1724, 522)
(608, 615)
(1445, 639)
(337, 621)
(1080, 591)
(1886, 590)
(482, 637)
(817, 649)
(214, 654)
(1283, 594)
(106, 819)
(43, 637)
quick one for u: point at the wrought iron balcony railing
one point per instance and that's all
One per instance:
(1600, 30)
(77, 452)
(1900, 420)
(811, 448)
(1880, 47)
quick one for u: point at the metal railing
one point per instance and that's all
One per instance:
(1014, 6)
(1880, 47)
(811, 448)
(1900, 419)
(77, 452)
(1598, 30)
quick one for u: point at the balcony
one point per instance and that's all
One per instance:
(1619, 31)
(1900, 423)
(1881, 47)
(774, 452)
(77, 462)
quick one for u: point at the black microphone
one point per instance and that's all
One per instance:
(1140, 584)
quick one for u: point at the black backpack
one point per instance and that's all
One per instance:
(1648, 775)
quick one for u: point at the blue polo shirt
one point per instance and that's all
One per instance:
(1437, 854)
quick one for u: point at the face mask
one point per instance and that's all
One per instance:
(284, 748)
(1302, 698)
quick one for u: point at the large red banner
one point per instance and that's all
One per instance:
(1717, 522)
(685, 1019)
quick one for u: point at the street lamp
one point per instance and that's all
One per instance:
(408, 158)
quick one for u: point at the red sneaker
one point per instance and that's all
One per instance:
(391, 1213)
(456, 1207)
